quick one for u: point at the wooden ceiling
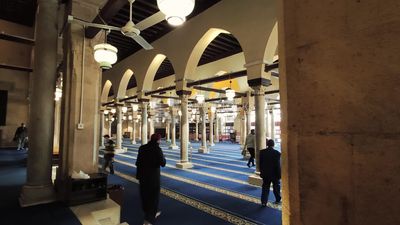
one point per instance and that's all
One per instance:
(18, 11)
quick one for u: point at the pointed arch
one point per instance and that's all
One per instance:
(151, 71)
(123, 84)
(106, 89)
(199, 48)
(271, 48)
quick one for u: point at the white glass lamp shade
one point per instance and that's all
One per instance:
(213, 109)
(124, 118)
(180, 113)
(130, 117)
(124, 109)
(106, 119)
(112, 119)
(113, 110)
(106, 112)
(153, 105)
(230, 94)
(170, 102)
(200, 98)
(135, 107)
(194, 110)
(176, 10)
(106, 55)
(234, 108)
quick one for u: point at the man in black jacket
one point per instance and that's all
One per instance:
(148, 163)
(270, 171)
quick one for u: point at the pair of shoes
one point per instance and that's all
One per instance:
(277, 202)
(264, 204)
(158, 214)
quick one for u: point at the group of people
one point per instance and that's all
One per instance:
(270, 167)
(150, 158)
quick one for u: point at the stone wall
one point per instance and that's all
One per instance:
(15, 82)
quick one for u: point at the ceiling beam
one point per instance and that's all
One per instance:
(271, 66)
(14, 67)
(107, 13)
(15, 38)
(217, 90)
(160, 90)
(227, 76)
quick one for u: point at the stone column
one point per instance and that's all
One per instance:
(173, 128)
(184, 132)
(272, 124)
(196, 134)
(168, 129)
(118, 141)
(57, 123)
(259, 95)
(248, 119)
(109, 125)
(268, 123)
(211, 122)
(134, 129)
(203, 148)
(243, 127)
(151, 123)
(102, 127)
(217, 127)
(38, 188)
(140, 130)
(143, 106)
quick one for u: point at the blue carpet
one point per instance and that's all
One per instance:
(12, 178)
(236, 206)
(173, 212)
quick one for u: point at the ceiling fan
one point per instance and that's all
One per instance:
(130, 29)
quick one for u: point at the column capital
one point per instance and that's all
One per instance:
(259, 82)
(259, 90)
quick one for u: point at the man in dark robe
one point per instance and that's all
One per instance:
(148, 163)
(270, 172)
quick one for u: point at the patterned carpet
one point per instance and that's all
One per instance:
(216, 185)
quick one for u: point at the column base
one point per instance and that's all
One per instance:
(255, 179)
(212, 144)
(36, 195)
(121, 150)
(173, 147)
(203, 150)
(184, 165)
(133, 142)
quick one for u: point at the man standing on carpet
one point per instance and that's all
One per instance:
(270, 172)
(148, 163)
(21, 136)
(250, 145)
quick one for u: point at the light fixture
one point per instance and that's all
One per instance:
(153, 104)
(58, 94)
(234, 108)
(124, 109)
(113, 110)
(105, 54)
(106, 112)
(112, 119)
(135, 107)
(170, 102)
(180, 113)
(194, 110)
(176, 11)
(124, 118)
(106, 119)
(130, 117)
(229, 93)
(200, 98)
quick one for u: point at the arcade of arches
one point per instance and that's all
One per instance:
(319, 78)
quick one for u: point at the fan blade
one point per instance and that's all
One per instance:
(141, 41)
(150, 21)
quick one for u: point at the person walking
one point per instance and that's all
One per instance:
(148, 163)
(270, 172)
(250, 145)
(109, 153)
(21, 136)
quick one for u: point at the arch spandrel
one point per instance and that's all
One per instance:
(123, 84)
(151, 72)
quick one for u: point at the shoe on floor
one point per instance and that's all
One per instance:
(248, 165)
(146, 222)
(158, 214)
(277, 202)
(264, 204)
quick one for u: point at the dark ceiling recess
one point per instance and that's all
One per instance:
(141, 10)
(132, 82)
(111, 92)
(166, 69)
(18, 11)
(222, 46)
